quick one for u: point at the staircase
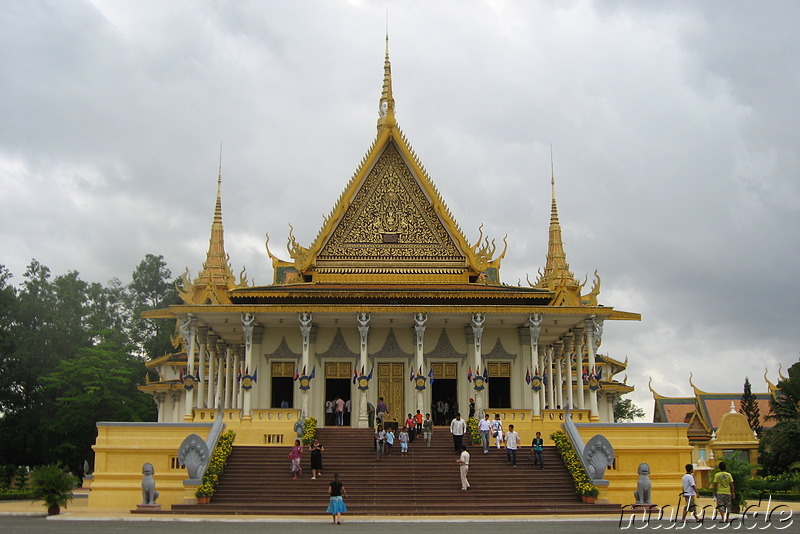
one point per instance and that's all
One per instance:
(426, 481)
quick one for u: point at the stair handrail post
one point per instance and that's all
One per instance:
(213, 437)
(595, 456)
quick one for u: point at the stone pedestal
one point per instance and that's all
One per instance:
(189, 490)
(147, 508)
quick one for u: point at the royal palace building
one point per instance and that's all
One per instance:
(390, 300)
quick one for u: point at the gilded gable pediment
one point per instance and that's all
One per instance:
(389, 220)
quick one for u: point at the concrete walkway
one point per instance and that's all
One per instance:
(22, 513)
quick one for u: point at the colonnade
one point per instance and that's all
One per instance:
(557, 364)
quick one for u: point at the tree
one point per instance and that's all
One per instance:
(97, 384)
(151, 288)
(750, 408)
(626, 411)
(778, 447)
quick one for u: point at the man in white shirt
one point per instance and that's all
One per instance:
(512, 439)
(485, 426)
(463, 467)
(329, 412)
(689, 493)
(458, 427)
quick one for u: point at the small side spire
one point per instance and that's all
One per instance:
(557, 276)
(386, 109)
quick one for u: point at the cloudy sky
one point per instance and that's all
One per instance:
(674, 128)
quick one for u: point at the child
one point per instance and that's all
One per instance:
(403, 439)
(389, 442)
(380, 443)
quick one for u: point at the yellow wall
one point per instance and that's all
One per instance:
(122, 448)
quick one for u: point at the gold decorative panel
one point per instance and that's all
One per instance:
(445, 370)
(499, 369)
(282, 369)
(338, 370)
(390, 219)
(391, 384)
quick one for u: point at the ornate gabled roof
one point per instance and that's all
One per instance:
(215, 279)
(390, 223)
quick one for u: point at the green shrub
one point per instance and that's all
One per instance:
(52, 485)
(474, 432)
(216, 464)
(310, 433)
(583, 484)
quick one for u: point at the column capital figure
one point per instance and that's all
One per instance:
(247, 329)
(419, 327)
(305, 329)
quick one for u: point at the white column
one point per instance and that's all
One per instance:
(590, 331)
(159, 399)
(189, 333)
(419, 330)
(202, 335)
(477, 331)
(212, 357)
(535, 326)
(247, 330)
(363, 333)
(219, 401)
(551, 401)
(229, 378)
(568, 362)
(237, 364)
(542, 364)
(559, 350)
(580, 388)
(305, 331)
(176, 406)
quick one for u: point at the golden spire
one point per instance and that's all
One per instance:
(557, 277)
(386, 109)
(215, 279)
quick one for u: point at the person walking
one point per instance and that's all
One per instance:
(427, 429)
(440, 408)
(381, 411)
(458, 427)
(294, 458)
(336, 505)
(418, 419)
(689, 493)
(380, 443)
(471, 409)
(329, 412)
(512, 440)
(389, 441)
(403, 439)
(497, 430)
(485, 426)
(338, 411)
(463, 467)
(409, 424)
(371, 414)
(538, 450)
(724, 492)
(316, 458)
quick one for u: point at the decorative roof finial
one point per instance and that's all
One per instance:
(386, 110)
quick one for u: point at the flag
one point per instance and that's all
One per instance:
(419, 373)
(180, 376)
(355, 375)
(585, 375)
(469, 375)
(255, 375)
(370, 373)
(304, 371)
(313, 372)
(527, 376)
(485, 374)
(599, 374)
(296, 375)
(239, 376)
(430, 375)
(411, 377)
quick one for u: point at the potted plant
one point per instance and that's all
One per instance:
(204, 493)
(474, 433)
(52, 485)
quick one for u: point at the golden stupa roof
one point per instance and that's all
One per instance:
(390, 223)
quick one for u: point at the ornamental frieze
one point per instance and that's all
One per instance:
(390, 218)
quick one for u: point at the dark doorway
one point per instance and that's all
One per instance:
(339, 387)
(282, 392)
(444, 390)
(500, 392)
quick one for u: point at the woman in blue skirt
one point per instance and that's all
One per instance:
(336, 507)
